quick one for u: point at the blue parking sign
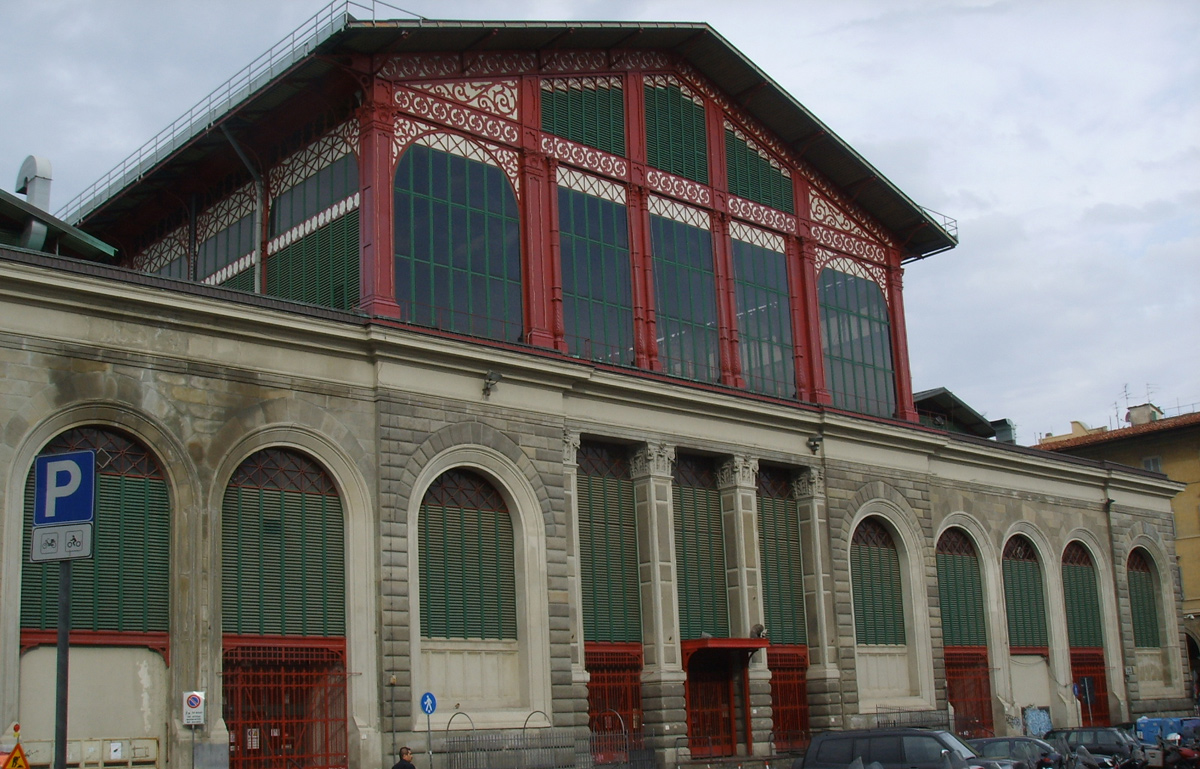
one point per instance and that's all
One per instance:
(64, 488)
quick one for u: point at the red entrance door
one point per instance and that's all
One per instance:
(710, 704)
(969, 689)
(1091, 684)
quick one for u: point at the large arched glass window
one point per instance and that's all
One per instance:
(856, 339)
(124, 587)
(1024, 597)
(458, 245)
(1143, 600)
(468, 581)
(878, 588)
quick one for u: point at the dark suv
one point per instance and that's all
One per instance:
(1104, 742)
(893, 748)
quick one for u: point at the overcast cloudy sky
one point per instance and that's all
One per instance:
(1063, 136)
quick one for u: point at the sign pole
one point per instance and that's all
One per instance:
(64, 646)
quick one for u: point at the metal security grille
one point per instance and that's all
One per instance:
(685, 300)
(789, 696)
(1024, 598)
(282, 544)
(960, 590)
(969, 689)
(608, 545)
(590, 111)
(856, 339)
(1090, 677)
(458, 245)
(676, 136)
(764, 319)
(710, 705)
(285, 706)
(753, 177)
(780, 558)
(335, 182)
(124, 587)
(321, 268)
(614, 698)
(468, 581)
(1082, 596)
(597, 278)
(1143, 600)
(878, 595)
(699, 550)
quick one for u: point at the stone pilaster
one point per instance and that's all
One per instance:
(824, 673)
(571, 442)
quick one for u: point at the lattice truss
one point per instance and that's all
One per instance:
(670, 209)
(297, 167)
(591, 185)
(756, 236)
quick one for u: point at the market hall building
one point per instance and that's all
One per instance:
(556, 370)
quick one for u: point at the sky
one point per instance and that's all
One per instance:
(1062, 135)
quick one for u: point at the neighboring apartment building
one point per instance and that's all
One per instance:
(1161, 444)
(558, 371)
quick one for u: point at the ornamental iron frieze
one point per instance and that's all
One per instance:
(298, 166)
(767, 156)
(225, 213)
(824, 212)
(867, 271)
(497, 97)
(642, 60)
(669, 209)
(468, 63)
(679, 187)
(666, 81)
(757, 237)
(760, 214)
(565, 84)
(159, 254)
(843, 242)
(336, 211)
(738, 471)
(652, 459)
(408, 131)
(574, 61)
(585, 157)
(591, 185)
(454, 115)
(837, 198)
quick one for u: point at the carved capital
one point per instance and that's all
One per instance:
(738, 471)
(809, 482)
(570, 448)
(652, 459)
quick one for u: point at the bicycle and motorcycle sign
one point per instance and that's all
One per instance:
(64, 505)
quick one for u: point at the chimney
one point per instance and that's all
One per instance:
(1144, 414)
(1006, 431)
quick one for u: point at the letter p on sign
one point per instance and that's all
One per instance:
(64, 488)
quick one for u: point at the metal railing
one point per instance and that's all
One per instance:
(950, 225)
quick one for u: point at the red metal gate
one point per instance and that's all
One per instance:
(1091, 681)
(710, 704)
(285, 706)
(614, 698)
(789, 695)
(969, 689)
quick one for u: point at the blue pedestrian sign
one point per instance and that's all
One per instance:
(64, 488)
(428, 703)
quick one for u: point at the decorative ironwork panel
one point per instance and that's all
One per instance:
(760, 214)
(498, 97)
(591, 185)
(679, 187)
(789, 696)
(167, 256)
(585, 157)
(301, 165)
(669, 209)
(448, 113)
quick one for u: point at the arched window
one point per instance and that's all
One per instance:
(1143, 600)
(856, 339)
(878, 589)
(964, 630)
(468, 581)
(124, 587)
(1085, 633)
(458, 245)
(1024, 597)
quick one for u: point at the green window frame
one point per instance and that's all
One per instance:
(699, 550)
(764, 317)
(1024, 596)
(960, 590)
(781, 559)
(1143, 600)
(322, 268)
(753, 177)
(283, 561)
(878, 586)
(125, 586)
(309, 197)
(597, 277)
(1082, 596)
(608, 550)
(676, 132)
(468, 577)
(590, 111)
(856, 341)
(685, 300)
(457, 245)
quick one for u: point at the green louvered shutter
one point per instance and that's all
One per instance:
(589, 110)
(753, 177)
(960, 590)
(283, 552)
(780, 558)
(878, 588)
(1082, 596)
(1143, 601)
(699, 550)
(322, 268)
(125, 586)
(468, 580)
(608, 545)
(1024, 598)
(676, 135)
(243, 281)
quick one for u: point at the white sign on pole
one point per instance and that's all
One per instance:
(193, 708)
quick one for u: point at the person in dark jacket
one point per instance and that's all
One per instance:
(405, 761)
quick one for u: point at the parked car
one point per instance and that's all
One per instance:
(1104, 742)
(892, 748)
(1037, 754)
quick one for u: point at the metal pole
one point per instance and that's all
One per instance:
(64, 646)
